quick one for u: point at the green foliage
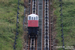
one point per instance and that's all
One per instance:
(8, 13)
(68, 22)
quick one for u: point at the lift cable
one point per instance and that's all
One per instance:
(17, 27)
(62, 36)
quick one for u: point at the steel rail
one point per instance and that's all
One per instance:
(46, 27)
(49, 26)
(43, 28)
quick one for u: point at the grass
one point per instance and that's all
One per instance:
(8, 13)
(68, 22)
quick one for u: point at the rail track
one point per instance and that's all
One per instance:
(32, 42)
(33, 8)
(46, 38)
(46, 25)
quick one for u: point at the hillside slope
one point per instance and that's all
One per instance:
(8, 13)
(68, 22)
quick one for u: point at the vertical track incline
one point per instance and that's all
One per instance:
(46, 45)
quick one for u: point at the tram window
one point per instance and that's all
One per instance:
(29, 18)
(34, 18)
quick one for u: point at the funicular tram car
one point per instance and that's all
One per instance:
(33, 25)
